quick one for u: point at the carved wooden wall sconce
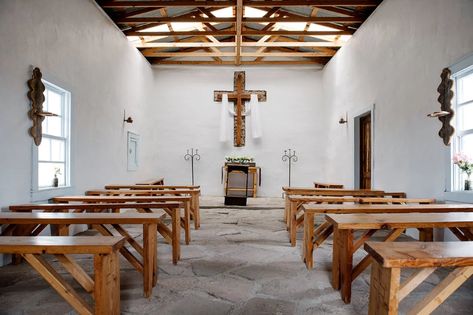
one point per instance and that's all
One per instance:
(36, 113)
(446, 112)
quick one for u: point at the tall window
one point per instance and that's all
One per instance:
(53, 158)
(463, 141)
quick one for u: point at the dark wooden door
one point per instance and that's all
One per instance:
(365, 152)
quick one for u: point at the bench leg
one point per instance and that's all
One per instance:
(308, 240)
(150, 262)
(107, 284)
(176, 234)
(293, 223)
(345, 263)
(384, 290)
(196, 203)
(187, 221)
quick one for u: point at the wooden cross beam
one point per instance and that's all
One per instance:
(239, 96)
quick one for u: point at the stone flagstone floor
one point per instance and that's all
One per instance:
(239, 262)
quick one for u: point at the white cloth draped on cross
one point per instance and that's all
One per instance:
(227, 112)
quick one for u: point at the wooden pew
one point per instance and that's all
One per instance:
(102, 222)
(386, 291)
(155, 181)
(193, 193)
(195, 206)
(184, 200)
(307, 191)
(105, 285)
(325, 185)
(294, 204)
(171, 234)
(345, 225)
(297, 202)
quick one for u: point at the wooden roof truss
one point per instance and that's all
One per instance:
(238, 32)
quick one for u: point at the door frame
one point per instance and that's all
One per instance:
(356, 144)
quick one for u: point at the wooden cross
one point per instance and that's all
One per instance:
(239, 96)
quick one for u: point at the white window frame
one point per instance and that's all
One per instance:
(453, 185)
(38, 193)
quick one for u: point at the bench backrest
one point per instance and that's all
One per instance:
(421, 254)
(60, 244)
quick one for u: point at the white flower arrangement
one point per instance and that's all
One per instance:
(239, 159)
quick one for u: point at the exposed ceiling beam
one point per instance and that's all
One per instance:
(244, 33)
(238, 25)
(295, 18)
(221, 4)
(151, 53)
(311, 61)
(241, 44)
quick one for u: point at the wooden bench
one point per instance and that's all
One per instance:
(320, 192)
(345, 244)
(184, 200)
(295, 203)
(171, 234)
(105, 287)
(102, 222)
(193, 193)
(155, 181)
(325, 185)
(386, 291)
(195, 207)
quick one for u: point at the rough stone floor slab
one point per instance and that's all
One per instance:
(239, 262)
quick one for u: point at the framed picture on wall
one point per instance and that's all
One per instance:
(132, 151)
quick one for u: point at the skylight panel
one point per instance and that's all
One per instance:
(223, 13)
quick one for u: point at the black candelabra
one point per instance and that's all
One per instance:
(289, 155)
(191, 156)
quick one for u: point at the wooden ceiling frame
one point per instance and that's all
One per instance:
(235, 39)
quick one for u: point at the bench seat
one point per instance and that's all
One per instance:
(386, 291)
(105, 285)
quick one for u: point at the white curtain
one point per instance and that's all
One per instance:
(224, 118)
(256, 129)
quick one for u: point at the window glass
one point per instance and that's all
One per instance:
(52, 163)
(465, 117)
(465, 89)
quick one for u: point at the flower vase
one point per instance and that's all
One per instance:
(56, 181)
(467, 184)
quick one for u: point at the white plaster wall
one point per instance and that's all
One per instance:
(79, 49)
(394, 61)
(185, 116)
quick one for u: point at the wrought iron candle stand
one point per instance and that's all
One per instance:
(191, 156)
(289, 155)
